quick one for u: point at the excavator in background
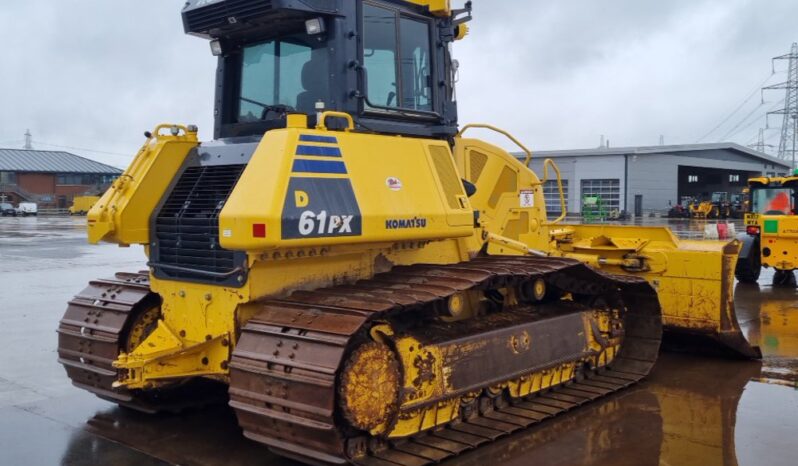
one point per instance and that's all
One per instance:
(771, 230)
(372, 286)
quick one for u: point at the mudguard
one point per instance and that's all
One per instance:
(747, 244)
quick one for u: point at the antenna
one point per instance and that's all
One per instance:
(28, 140)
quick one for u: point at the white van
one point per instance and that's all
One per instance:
(27, 208)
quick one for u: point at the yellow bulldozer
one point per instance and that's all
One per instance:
(372, 286)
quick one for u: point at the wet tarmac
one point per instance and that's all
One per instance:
(690, 411)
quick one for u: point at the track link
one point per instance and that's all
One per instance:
(285, 367)
(92, 332)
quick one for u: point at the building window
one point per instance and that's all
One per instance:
(770, 174)
(83, 179)
(692, 178)
(734, 178)
(551, 192)
(69, 179)
(8, 178)
(609, 190)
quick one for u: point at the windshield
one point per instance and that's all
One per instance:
(396, 54)
(773, 201)
(289, 74)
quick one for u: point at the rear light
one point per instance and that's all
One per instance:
(259, 230)
(752, 230)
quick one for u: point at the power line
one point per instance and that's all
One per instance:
(732, 131)
(737, 109)
(82, 149)
(743, 120)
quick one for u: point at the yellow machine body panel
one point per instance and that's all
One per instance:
(306, 188)
(122, 214)
(406, 204)
(509, 197)
(82, 204)
(436, 7)
(779, 239)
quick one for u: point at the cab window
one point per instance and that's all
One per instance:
(773, 201)
(287, 73)
(396, 55)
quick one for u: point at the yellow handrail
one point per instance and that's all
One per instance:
(500, 131)
(321, 124)
(563, 208)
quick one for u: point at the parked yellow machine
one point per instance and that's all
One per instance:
(373, 286)
(82, 204)
(703, 210)
(771, 222)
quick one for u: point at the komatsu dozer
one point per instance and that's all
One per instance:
(372, 287)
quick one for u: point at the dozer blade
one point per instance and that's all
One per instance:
(694, 280)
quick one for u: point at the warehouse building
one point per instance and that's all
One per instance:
(50, 178)
(639, 180)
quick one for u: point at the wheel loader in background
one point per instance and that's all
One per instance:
(372, 286)
(771, 227)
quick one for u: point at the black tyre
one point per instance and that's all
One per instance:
(749, 268)
(784, 278)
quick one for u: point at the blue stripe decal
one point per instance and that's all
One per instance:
(319, 166)
(312, 138)
(318, 150)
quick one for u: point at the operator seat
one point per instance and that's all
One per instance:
(315, 82)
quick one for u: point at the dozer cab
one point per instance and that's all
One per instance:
(771, 230)
(371, 286)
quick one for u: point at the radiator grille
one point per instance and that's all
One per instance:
(478, 162)
(452, 185)
(507, 183)
(219, 14)
(187, 226)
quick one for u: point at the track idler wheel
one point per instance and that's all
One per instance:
(141, 326)
(370, 388)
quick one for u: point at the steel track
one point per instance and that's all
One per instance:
(285, 368)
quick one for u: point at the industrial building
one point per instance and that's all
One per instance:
(639, 180)
(50, 178)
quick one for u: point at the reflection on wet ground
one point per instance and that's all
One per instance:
(691, 410)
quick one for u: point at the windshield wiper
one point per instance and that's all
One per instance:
(279, 109)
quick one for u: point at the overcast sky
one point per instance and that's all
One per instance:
(95, 74)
